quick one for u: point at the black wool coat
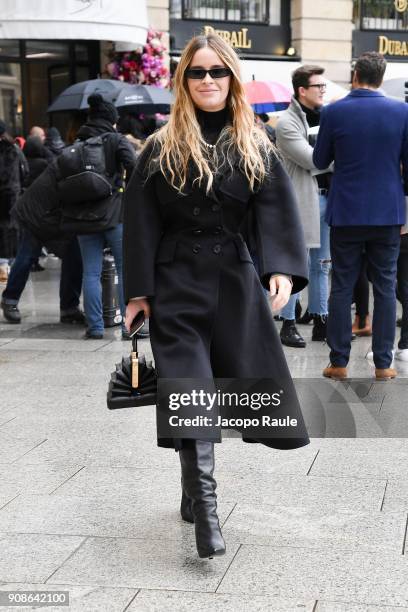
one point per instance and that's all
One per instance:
(210, 316)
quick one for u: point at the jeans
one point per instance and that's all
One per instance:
(92, 246)
(29, 250)
(381, 244)
(288, 311)
(402, 277)
(319, 267)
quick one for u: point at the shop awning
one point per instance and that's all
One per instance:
(117, 20)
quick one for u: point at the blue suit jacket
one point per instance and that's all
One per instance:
(366, 135)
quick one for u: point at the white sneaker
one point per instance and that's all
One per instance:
(401, 354)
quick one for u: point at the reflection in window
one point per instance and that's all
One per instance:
(10, 97)
(379, 15)
(10, 48)
(43, 49)
(253, 11)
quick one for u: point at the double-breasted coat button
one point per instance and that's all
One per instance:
(196, 248)
(217, 249)
(215, 207)
(217, 229)
(196, 211)
(197, 232)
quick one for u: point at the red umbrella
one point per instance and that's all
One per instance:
(267, 96)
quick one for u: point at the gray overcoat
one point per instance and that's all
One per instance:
(292, 141)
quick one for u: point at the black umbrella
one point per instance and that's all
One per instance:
(145, 99)
(75, 97)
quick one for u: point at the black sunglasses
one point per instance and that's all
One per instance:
(201, 73)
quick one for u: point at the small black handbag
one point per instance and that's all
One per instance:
(133, 383)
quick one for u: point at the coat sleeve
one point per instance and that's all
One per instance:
(142, 231)
(294, 146)
(404, 157)
(126, 155)
(323, 154)
(281, 247)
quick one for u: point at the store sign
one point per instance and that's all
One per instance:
(401, 5)
(388, 46)
(392, 46)
(253, 40)
(234, 38)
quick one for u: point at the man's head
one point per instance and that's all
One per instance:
(37, 131)
(369, 70)
(309, 85)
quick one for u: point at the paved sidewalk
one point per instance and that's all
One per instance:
(89, 504)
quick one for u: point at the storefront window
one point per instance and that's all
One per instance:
(41, 49)
(10, 97)
(253, 11)
(9, 48)
(381, 15)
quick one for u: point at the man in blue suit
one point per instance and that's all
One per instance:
(366, 135)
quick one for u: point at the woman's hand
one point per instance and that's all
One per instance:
(135, 306)
(280, 288)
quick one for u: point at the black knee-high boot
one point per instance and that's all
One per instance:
(185, 506)
(197, 467)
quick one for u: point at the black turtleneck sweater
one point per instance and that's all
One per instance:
(211, 123)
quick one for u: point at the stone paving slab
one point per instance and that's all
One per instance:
(144, 564)
(396, 495)
(128, 515)
(81, 598)
(37, 479)
(114, 451)
(33, 557)
(45, 344)
(360, 464)
(241, 457)
(378, 578)
(184, 601)
(265, 525)
(329, 493)
(13, 448)
(331, 606)
(7, 494)
(145, 483)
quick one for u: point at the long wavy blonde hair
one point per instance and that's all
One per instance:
(180, 140)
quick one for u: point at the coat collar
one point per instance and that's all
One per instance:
(296, 109)
(366, 93)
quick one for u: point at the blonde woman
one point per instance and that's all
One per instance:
(188, 267)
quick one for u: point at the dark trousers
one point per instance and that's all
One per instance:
(381, 244)
(362, 290)
(29, 250)
(402, 284)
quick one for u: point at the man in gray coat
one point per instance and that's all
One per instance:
(293, 137)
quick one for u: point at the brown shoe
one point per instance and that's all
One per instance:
(385, 373)
(362, 331)
(3, 273)
(335, 372)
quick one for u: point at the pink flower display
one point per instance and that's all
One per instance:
(143, 66)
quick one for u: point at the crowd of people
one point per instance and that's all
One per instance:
(296, 138)
(217, 211)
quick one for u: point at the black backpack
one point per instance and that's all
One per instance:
(87, 186)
